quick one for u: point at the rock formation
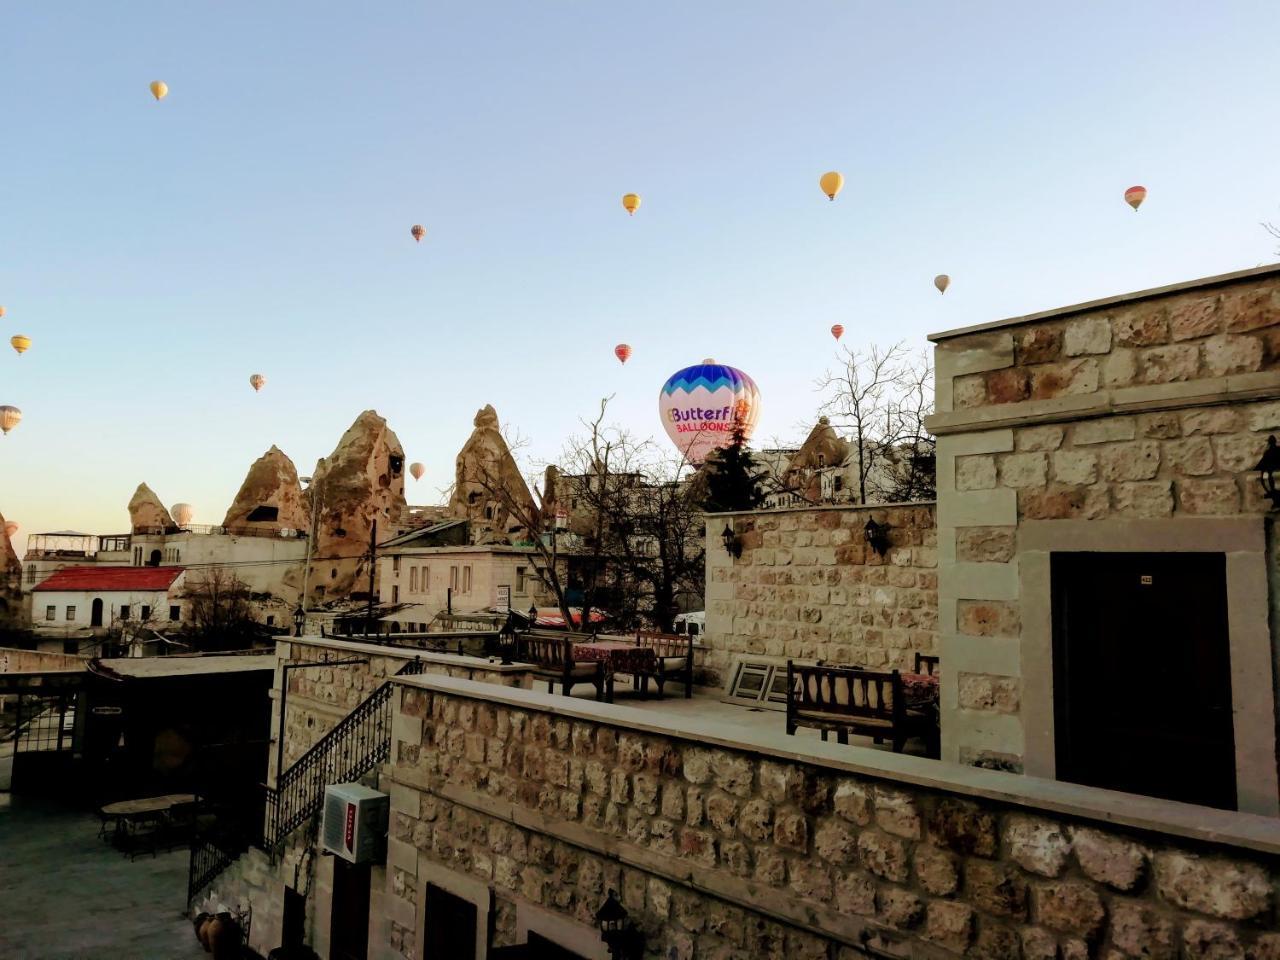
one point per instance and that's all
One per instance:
(146, 513)
(270, 498)
(822, 449)
(9, 564)
(488, 489)
(360, 482)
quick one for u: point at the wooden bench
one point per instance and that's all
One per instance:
(552, 657)
(927, 664)
(673, 654)
(852, 700)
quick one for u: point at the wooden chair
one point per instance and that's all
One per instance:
(673, 656)
(852, 700)
(927, 664)
(553, 661)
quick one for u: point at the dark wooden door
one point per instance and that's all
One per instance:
(95, 612)
(1142, 674)
(450, 926)
(349, 921)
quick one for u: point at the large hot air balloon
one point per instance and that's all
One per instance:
(159, 89)
(942, 281)
(418, 232)
(10, 417)
(10, 528)
(831, 183)
(631, 203)
(837, 330)
(1134, 197)
(182, 513)
(417, 470)
(623, 352)
(20, 342)
(257, 381)
(700, 405)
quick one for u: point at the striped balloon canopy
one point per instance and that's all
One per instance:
(701, 405)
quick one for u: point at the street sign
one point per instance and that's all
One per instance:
(504, 598)
(106, 711)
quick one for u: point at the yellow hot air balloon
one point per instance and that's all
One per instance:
(159, 89)
(20, 342)
(417, 470)
(257, 381)
(10, 417)
(631, 203)
(10, 528)
(942, 281)
(831, 183)
(1, 311)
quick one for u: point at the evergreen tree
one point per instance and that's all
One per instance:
(733, 481)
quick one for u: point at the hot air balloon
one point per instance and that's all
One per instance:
(418, 232)
(631, 203)
(942, 281)
(10, 417)
(20, 342)
(837, 330)
(182, 513)
(700, 406)
(10, 528)
(623, 352)
(831, 183)
(1134, 197)
(1, 311)
(257, 381)
(159, 89)
(417, 470)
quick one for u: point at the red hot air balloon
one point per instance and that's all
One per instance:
(837, 330)
(623, 352)
(1134, 197)
(418, 232)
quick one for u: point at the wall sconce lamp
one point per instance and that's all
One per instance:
(731, 541)
(1267, 468)
(877, 536)
(299, 621)
(507, 640)
(617, 931)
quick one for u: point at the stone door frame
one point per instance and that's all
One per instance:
(1253, 657)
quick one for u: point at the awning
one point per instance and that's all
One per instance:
(551, 617)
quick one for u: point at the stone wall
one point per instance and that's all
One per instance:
(797, 849)
(36, 661)
(807, 585)
(1131, 423)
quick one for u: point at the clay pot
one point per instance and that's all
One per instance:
(224, 938)
(202, 931)
(197, 925)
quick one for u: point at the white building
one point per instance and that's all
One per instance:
(76, 604)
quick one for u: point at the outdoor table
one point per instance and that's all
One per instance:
(127, 813)
(618, 656)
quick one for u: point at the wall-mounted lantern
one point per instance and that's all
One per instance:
(533, 615)
(617, 931)
(507, 640)
(731, 542)
(299, 621)
(1267, 468)
(877, 536)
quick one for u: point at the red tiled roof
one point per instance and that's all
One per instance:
(108, 579)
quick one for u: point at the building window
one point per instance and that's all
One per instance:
(124, 612)
(395, 593)
(70, 646)
(839, 484)
(51, 613)
(71, 612)
(522, 574)
(453, 578)
(263, 514)
(413, 579)
(271, 619)
(395, 565)
(146, 613)
(466, 579)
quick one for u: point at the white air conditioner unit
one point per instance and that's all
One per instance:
(355, 823)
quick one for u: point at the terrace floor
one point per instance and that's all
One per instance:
(70, 896)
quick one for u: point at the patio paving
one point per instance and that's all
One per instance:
(73, 897)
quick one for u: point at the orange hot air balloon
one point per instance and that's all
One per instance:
(418, 232)
(257, 381)
(942, 281)
(417, 470)
(831, 183)
(623, 352)
(1134, 197)
(837, 330)
(10, 528)
(1, 311)
(10, 417)
(631, 203)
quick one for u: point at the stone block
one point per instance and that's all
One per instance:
(975, 473)
(1119, 863)
(985, 544)
(1212, 420)
(963, 827)
(1209, 497)
(1169, 364)
(1106, 430)
(1008, 386)
(1193, 319)
(1069, 378)
(1141, 931)
(1192, 457)
(1037, 845)
(1018, 470)
(981, 691)
(1230, 889)
(936, 871)
(1139, 460)
(810, 880)
(1160, 426)
(987, 618)
(1076, 467)
(883, 855)
(1064, 503)
(1039, 438)
(969, 391)
(1120, 368)
(949, 924)
(900, 908)
(1070, 907)
(855, 894)
(1238, 452)
(1140, 326)
(835, 843)
(996, 888)
(791, 831)
(1202, 940)
(997, 942)
(1038, 345)
(852, 800)
(1146, 500)
(896, 813)
(1250, 309)
(1090, 335)
(1038, 944)
(1227, 353)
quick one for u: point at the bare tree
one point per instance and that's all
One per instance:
(882, 395)
(220, 613)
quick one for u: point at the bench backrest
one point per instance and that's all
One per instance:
(665, 644)
(926, 663)
(547, 651)
(844, 690)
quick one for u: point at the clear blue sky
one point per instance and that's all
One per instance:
(258, 218)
